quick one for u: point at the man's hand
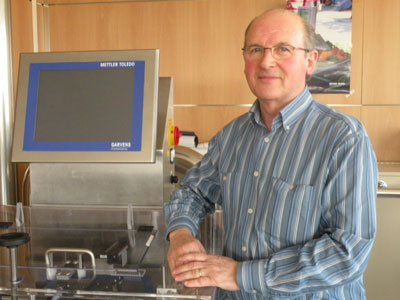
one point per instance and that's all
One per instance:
(200, 270)
(181, 243)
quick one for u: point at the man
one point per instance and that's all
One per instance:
(296, 180)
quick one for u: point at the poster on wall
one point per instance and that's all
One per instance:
(332, 21)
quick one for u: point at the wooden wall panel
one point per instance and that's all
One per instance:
(381, 59)
(202, 116)
(200, 41)
(354, 111)
(22, 32)
(21, 26)
(383, 127)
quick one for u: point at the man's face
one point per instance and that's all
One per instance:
(278, 80)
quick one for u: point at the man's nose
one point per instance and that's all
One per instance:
(267, 59)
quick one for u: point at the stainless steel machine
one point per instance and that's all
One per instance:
(95, 227)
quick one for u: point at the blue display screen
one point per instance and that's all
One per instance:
(85, 106)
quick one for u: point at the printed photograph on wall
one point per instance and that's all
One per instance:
(332, 20)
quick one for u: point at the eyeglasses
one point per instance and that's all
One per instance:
(279, 52)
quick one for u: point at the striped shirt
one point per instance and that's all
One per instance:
(298, 201)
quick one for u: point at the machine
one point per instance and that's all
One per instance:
(97, 131)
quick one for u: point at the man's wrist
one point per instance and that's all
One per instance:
(181, 222)
(179, 232)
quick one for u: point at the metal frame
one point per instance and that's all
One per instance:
(7, 170)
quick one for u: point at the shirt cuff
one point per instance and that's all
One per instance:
(180, 222)
(250, 276)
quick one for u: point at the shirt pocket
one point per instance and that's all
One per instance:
(290, 214)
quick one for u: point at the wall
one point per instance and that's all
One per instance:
(200, 42)
(380, 78)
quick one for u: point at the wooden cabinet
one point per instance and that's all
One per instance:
(381, 48)
(380, 78)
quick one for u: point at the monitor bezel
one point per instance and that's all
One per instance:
(144, 153)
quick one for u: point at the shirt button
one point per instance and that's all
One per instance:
(256, 173)
(287, 127)
(254, 291)
(266, 140)
(244, 248)
(291, 187)
(224, 178)
(250, 211)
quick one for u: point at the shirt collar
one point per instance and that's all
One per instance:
(288, 115)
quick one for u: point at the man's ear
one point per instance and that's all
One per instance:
(312, 58)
